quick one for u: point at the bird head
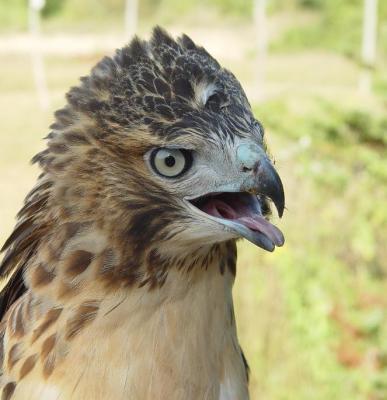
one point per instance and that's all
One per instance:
(159, 147)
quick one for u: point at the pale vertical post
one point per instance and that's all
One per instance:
(368, 45)
(34, 9)
(131, 16)
(370, 22)
(260, 23)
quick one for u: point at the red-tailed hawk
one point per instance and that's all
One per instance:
(121, 266)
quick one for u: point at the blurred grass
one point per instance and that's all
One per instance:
(312, 316)
(321, 301)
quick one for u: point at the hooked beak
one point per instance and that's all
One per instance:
(266, 182)
(245, 212)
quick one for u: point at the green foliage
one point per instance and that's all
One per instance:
(330, 123)
(234, 7)
(13, 14)
(92, 10)
(337, 25)
(52, 7)
(365, 128)
(313, 4)
(332, 272)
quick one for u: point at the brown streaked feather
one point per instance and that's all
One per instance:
(27, 366)
(49, 319)
(22, 229)
(85, 314)
(8, 390)
(14, 355)
(23, 242)
(2, 334)
(21, 246)
(13, 289)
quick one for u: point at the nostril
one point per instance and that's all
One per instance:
(253, 168)
(249, 155)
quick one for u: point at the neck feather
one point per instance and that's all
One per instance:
(79, 258)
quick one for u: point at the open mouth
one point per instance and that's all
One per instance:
(243, 213)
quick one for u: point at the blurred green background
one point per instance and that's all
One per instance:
(312, 316)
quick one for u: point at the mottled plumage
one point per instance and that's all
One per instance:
(121, 265)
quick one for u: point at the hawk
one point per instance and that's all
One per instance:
(121, 266)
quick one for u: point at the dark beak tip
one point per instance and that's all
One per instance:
(280, 210)
(273, 187)
(279, 202)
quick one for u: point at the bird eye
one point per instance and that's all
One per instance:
(170, 163)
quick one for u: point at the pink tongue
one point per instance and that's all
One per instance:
(245, 216)
(260, 224)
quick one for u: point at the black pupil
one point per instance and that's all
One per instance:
(170, 161)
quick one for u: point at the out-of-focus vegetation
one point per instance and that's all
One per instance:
(333, 25)
(344, 18)
(312, 316)
(13, 15)
(327, 337)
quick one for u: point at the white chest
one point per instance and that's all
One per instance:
(153, 346)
